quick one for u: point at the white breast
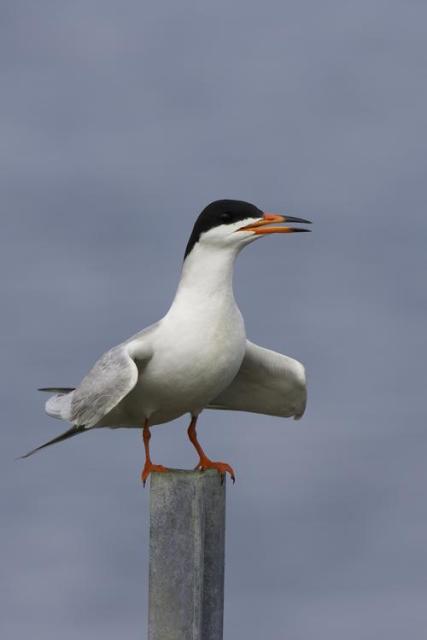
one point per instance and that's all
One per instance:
(194, 360)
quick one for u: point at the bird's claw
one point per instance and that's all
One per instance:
(149, 468)
(221, 467)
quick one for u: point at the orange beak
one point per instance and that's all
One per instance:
(260, 227)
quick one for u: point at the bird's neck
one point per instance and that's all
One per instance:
(206, 279)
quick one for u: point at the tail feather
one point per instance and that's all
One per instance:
(57, 389)
(59, 405)
(74, 431)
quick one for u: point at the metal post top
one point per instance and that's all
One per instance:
(187, 473)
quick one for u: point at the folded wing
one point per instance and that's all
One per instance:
(268, 383)
(112, 377)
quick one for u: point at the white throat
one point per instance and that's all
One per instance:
(207, 277)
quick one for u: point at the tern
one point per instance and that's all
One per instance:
(197, 356)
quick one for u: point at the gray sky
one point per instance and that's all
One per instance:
(119, 121)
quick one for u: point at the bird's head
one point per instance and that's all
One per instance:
(235, 223)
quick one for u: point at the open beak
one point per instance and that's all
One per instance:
(263, 226)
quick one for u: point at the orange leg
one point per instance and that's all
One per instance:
(205, 462)
(149, 466)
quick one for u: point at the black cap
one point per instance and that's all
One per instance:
(218, 213)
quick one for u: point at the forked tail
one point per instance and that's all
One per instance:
(74, 431)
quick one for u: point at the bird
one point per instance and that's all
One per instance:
(197, 356)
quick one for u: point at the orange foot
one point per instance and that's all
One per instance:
(221, 467)
(149, 467)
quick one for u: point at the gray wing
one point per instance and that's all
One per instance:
(268, 383)
(113, 376)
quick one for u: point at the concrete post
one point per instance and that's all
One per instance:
(187, 539)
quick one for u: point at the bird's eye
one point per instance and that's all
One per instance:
(226, 216)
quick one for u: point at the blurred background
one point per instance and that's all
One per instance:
(119, 122)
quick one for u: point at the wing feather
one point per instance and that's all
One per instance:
(113, 376)
(268, 383)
